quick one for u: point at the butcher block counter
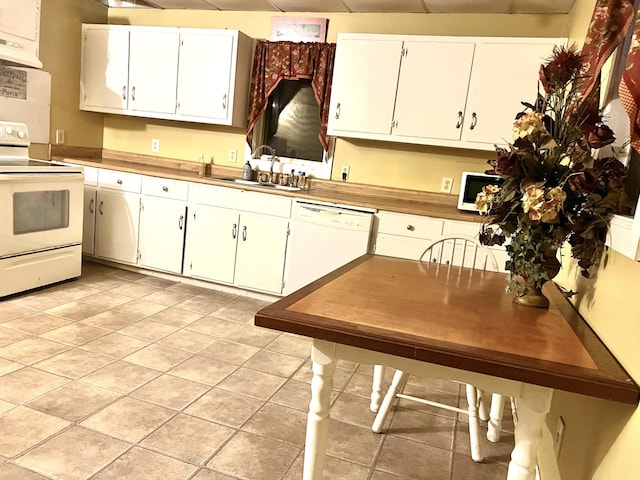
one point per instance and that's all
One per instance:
(382, 198)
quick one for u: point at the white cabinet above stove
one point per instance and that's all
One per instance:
(20, 32)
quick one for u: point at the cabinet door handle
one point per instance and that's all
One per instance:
(91, 205)
(124, 92)
(165, 189)
(234, 231)
(224, 101)
(338, 110)
(244, 233)
(100, 207)
(459, 122)
(133, 93)
(180, 222)
(474, 121)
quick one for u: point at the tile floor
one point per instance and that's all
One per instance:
(120, 375)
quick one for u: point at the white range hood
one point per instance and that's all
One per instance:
(20, 32)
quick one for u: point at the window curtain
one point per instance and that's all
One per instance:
(275, 61)
(629, 89)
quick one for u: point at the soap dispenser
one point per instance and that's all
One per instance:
(247, 171)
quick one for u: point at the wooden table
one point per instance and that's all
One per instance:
(446, 322)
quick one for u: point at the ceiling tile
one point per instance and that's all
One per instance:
(310, 5)
(244, 5)
(468, 6)
(182, 4)
(384, 6)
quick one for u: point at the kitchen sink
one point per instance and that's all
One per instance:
(259, 184)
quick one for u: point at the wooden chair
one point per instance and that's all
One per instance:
(458, 250)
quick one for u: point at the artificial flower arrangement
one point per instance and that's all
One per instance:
(554, 188)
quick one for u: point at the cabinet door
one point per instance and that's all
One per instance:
(432, 89)
(153, 67)
(262, 245)
(212, 238)
(117, 225)
(89, 220)
(162, 228)
(105, 68)
(495, 91)
(204, 75)
(364, 85)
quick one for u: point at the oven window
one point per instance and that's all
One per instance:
(40, 211)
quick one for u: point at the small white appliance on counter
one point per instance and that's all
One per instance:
(41, 216)
(471, 184)
(325, 237)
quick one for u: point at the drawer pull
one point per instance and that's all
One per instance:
(119, 182)
(165, 189)
(411, 228)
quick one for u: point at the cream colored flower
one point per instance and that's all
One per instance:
(527, 124)
(554, 199)
(565, 161)
(533, 202)
(484, 199)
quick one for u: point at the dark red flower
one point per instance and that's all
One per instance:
(584, 182)
(543, 79)
(598, 135)
(507, 163)
(612, 171)
(564, 65)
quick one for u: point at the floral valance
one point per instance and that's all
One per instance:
(275, 61)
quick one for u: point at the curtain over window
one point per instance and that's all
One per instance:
(276, 61)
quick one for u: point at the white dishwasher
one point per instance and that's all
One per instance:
(325, 237)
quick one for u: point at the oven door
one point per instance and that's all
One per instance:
(40, 211)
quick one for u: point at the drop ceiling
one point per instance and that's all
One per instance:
(357, 6)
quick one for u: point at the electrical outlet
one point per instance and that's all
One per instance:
(233, 155)
(59, 137)
(559, 436)
(446, 184)
(345, 172)
(155, 145)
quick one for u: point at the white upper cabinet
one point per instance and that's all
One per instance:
(448, 91)
(198, 75)
(153, 66)
(213, 76)
(20, 32)
(364, 86)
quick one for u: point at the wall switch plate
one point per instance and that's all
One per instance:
(155, 145)
(559, 436)
(446, 185)
(59, 137)
(233, 155)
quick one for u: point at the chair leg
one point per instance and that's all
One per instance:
(483, 412)
(495, 418)
(376, 387)
(397, 385)
(474, 423)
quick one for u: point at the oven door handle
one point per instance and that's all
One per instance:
(60, 177)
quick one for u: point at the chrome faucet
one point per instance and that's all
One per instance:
(274, 159)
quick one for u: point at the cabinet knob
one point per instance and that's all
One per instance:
(411, 228)
(165, 189)
(474, 121)
(119, 182)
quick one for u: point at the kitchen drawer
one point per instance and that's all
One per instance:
(412, 226)
(400, 246)
(165, 188)
(214, 196)
(124, 181)
(453, 227)
(266, 204)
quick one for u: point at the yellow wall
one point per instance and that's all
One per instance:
(375, 163)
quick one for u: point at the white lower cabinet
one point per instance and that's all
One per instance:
(89, 220)
(407, 236)
(117, 226)
(237, 237)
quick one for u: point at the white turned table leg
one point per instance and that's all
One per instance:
(376, 387)
(532, 406)
(318, 417)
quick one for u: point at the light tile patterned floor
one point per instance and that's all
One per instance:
(120, 375)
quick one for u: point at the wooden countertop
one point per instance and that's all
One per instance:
(381, 198)
(455, 317)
